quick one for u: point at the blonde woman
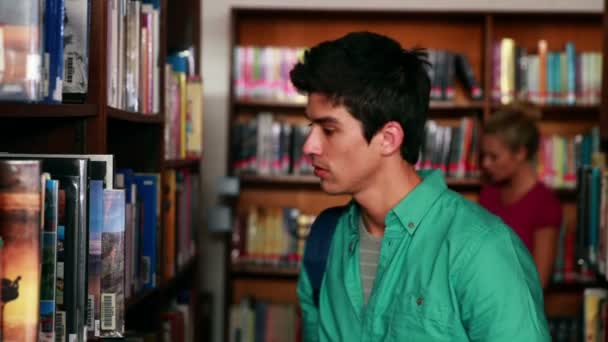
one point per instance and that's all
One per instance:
(515, 194)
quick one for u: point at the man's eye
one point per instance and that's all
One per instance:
(328, 131)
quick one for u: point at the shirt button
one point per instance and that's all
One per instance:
(419, 301)
(411, 225)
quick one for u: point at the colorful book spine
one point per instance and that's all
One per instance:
(113, 264)
(94, 262)
(48, 265)
(20, 206)
(148, 197)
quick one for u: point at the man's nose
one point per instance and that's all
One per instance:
(311, 144)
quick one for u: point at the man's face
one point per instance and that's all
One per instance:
(342, 158)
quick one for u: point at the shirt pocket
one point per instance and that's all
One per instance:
(417, 317)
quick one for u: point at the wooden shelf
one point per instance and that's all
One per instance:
(565, 193)
(245, 270)
(118, 114)
(164, 288)
(193, 163)
(307, 180)
(40, 110)
(455, 106)
(262, 104)
(576, 288)
(566, 112)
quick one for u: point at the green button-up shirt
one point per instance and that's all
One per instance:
(448, 271)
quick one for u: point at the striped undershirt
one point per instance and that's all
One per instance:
(369, 252)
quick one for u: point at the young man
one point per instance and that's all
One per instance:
(410, 260)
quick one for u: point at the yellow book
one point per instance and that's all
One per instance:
(507, 70)
(194, 117)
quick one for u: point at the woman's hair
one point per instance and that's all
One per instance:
(516, 126)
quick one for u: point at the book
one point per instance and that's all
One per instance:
(48, 282)
(113, 264)
(20, 51)
(76, 50)
(20, 207)
(94, 260)
(54, 13)
(148, 193)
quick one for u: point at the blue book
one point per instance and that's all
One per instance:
(595, 185)
(54, 13)
(148, 193)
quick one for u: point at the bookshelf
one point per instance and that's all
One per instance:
(471, 33)
(135, 139)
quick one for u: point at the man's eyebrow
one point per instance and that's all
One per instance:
(325, 120)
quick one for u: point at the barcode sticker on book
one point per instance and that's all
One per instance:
(60, 326)
(69, 67)
(145, 269)
(90, 308)
(108, 311)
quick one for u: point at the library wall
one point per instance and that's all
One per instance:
(215, 62)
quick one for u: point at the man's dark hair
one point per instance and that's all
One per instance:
(375, 79)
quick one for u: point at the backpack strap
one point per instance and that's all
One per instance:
(317, 247)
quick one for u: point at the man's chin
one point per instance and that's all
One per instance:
(331, 188)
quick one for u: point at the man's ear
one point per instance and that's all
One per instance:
(392, 138)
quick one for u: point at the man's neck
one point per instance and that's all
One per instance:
(388, 188)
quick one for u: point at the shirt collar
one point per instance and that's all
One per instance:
(410, 211)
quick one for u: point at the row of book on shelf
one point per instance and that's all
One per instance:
(263, 73)
(258, 320)
(133, 52)
(87, 243)
(566, 77)
(270, 236)
(45, 50)
(269, 145)
(183, 108)
(582, 253)
(178, 322)
(548, 77)
(590, 324)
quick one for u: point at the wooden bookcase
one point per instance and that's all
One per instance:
(136, 140)
(469, 33)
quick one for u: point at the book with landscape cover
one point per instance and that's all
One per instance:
(112, 264)
(20, 210)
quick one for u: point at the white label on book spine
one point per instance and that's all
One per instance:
(90, 308)
(1, 53)
(73, 338)
(108, 311)
(32, 67)
(60, 326)
(97, 328)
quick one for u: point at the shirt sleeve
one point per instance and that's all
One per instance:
(499, 291)
(310, 313)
